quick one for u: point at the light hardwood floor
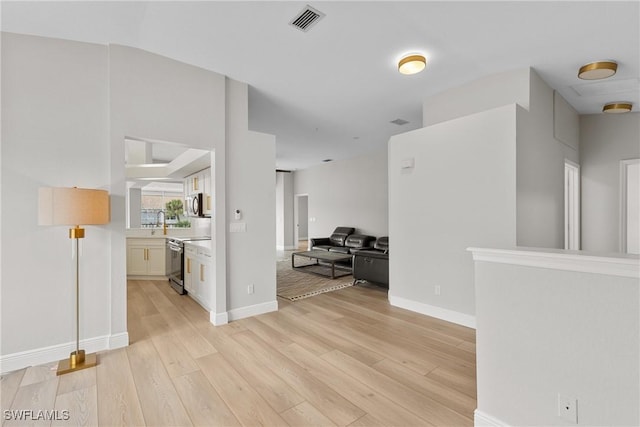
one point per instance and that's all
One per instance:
(341, 358)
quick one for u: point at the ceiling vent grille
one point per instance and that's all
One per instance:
(306, 19)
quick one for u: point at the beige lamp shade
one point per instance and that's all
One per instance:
(72, 206)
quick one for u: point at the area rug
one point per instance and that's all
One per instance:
(294, 285)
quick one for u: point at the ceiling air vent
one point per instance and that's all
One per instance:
(399, 122)
(306, 19)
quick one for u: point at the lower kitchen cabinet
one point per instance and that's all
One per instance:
(146, 257)
(198, 274)
(189, 262)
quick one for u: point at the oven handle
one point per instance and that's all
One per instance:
(174, 247)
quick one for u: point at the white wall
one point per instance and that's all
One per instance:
(303, 217)
(284, 211)
(133, 207)
(55, 133)
(288, 220)
(350, 193)
(66, 109)
(540, 166)
(478, 95)
(157, 98)
(461, 193)
(546, 120)
(605, 140)
(251, 160)
(566, 122)
(551, 323)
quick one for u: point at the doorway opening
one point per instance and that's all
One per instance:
(161, 177)
(301, 218)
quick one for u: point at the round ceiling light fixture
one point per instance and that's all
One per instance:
(412, 64)
(617, 107)
(598, 70)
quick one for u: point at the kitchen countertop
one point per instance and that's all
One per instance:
(203, 244)
(171, 234)
(145, 233)
(157, 236)
(206, 244)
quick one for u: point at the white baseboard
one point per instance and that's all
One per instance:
(480, 419)
(433, 311)
(286, 248)
(218, 318)
(253, 310)
(119, 340)
(39, 356)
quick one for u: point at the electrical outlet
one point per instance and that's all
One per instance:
(436, 290)
(568, 408)
(250, 289)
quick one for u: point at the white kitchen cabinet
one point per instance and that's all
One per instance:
(208, 192)
(200, 273)
(146, 257)
(205, 284)
(193, 183)
(189, 262)
(200, 182)
(197, 182)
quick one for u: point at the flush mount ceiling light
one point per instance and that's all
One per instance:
(412, 64)
(617, 107)
(598, 70)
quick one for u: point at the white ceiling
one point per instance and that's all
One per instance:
(332, 92)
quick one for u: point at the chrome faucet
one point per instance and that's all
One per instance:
(164, 221)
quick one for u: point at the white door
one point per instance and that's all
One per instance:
(630, 206)
(571, 205)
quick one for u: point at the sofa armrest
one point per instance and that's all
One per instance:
(371, 254)
(319, 241)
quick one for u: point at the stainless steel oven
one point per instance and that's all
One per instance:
(175, 261)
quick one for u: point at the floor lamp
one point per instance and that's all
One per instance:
(75, 207)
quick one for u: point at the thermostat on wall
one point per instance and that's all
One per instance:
(407, 163)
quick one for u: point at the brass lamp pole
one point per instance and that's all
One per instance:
(73, 206)
(77, 359)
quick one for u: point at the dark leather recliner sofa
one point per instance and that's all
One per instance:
(343, 241)
(354, 243)
(372, 265)
(336, 240)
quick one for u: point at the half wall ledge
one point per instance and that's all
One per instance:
(623, 265)
(556, 326)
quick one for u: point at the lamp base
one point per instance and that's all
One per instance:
(76, 362)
